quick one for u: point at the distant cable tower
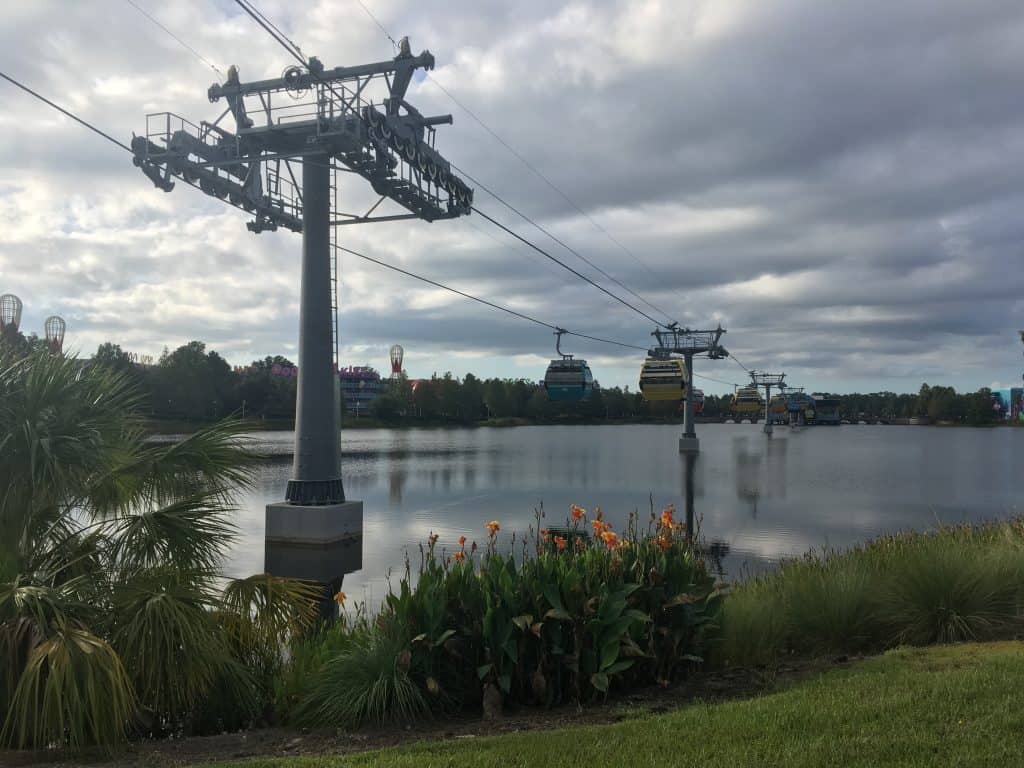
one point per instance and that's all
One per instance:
(767, 380)
(689, 343)
(10, 314)
(55, 327)
(397, 355)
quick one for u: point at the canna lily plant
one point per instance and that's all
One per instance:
(582, 612)
(115, 617)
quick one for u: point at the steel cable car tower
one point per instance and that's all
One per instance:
(325, 121)
(690, 344)
(767, 380)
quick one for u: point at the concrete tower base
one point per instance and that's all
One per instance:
(313, 525)
(689, 445)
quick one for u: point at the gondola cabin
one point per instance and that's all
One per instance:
(747, 402)
(568, 380)
(663, 380)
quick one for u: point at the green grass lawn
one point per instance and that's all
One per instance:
(959, 705)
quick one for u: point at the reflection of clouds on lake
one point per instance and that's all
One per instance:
(761, 498)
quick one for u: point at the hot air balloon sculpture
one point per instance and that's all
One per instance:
(10, 314)
(397, 355)
(55, 327)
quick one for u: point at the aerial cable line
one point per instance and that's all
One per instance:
(94, 129)
(561, 263)
(379, 25)
(485, 302)
(562, 243)
(515, 153)
(245, 5)
(272, 30)
(63, 111)
(513, 312)
(250, 8)
(180, 42)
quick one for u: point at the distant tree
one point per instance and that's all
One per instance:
(191, 383)
(388, 407)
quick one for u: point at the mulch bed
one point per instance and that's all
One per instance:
(283, 742)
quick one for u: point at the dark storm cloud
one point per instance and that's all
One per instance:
(837, 183)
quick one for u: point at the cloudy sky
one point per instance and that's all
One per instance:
(839, 184)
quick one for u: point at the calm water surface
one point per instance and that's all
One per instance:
(758, 498)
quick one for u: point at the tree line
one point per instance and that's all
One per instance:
(193, 383)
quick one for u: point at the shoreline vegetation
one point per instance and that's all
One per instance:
(116, 624)
(193, 384)
(175, 427)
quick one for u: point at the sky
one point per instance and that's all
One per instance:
(838, 184)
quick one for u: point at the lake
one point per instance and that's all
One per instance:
(758, 498)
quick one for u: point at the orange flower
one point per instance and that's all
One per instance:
(664, 542)
(599, 527)
(610, 539)
(578, 513)
(560, 542)
(492, 528)
(666, 516)
(462, 541)
(460, 555)
(340, 597)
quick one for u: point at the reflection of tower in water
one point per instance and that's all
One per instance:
(760, 472)
(325, 564)
(714, 551)
(396, 482)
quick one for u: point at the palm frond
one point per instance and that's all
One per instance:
(263, 611)
(73, 692)
(216, 459)
(190, 533)
(168, 639)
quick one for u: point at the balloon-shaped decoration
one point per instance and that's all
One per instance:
(397, 355)
(10, 313)
(55, 327)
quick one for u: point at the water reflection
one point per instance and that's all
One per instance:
(754, 499)
(326, 565)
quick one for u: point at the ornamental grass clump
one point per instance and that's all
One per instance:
(569, 616)
(954, 584)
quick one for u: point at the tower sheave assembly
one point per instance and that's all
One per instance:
(690, 344)
(314, 121)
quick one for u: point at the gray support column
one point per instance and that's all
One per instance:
(767, 409)
(316, 475)
(688, 443)
(315, 514)
(688, 430)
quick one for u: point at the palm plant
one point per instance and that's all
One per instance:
(113, 610)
